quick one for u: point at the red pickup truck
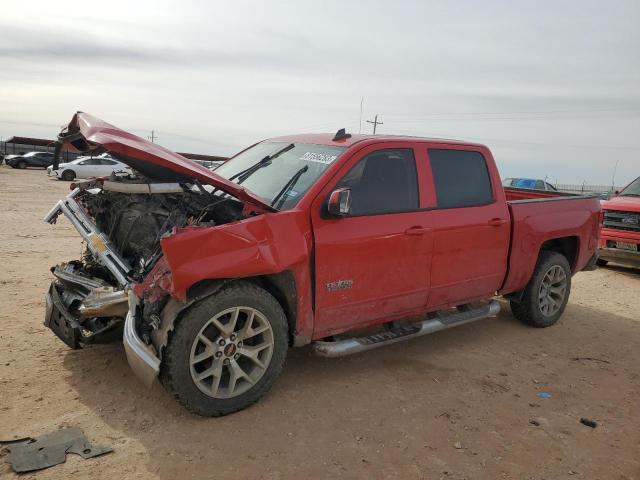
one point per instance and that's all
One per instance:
(345, 242)
(620, 235)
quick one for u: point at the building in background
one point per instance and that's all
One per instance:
(22, 145)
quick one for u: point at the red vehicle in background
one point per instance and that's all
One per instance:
(344, 242)
(620, 235)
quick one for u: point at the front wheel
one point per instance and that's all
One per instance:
(22, 165)
(226, 352)
(547, 294)
(68, 175)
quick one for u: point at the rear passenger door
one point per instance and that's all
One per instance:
(91, 167)
(42, 159)
(106, 166)
(471, 227)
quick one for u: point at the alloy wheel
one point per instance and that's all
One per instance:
(553, 290)
(231, 352)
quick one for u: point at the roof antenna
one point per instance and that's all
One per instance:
(341, 135)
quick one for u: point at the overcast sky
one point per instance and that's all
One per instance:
(553, 88)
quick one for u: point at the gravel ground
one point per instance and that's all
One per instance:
(459, 404)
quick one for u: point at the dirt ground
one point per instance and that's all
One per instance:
(454, 405)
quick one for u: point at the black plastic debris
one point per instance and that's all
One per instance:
(588, 423)
(27, 454)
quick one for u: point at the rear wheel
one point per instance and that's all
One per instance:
(547, 293)
(68, 175)
(227, 351)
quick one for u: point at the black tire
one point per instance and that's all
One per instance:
(68, 175)
(529, 310)
(175, 372)
(21, 165)
(601, 263)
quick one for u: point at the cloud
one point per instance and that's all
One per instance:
(537, 82)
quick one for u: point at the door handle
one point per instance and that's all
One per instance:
(497, 222)
(417, 230)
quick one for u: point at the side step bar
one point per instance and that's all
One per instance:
(349, 346)
(97, 241)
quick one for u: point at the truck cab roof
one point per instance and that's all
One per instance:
(328, 139)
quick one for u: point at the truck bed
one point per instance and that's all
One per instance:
(542, 216)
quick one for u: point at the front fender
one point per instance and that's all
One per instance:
(262, 245)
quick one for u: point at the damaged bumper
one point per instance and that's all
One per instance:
(142, 358)
(68, 323)
(81, 309)
(58, 318)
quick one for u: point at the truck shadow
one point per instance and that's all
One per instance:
(623, 269)
(318, 402)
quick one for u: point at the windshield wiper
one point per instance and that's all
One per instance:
(246, 173)
(287, 187)
(630, 194)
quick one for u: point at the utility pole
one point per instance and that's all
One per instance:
(153, 136)
(375, 123)
(360, 126)
(613, 176)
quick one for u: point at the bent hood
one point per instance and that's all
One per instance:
(90, 134)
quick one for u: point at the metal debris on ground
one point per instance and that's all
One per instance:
(588, 423)
(590, 359)
(27, 454)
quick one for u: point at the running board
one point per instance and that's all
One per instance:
(349, 346)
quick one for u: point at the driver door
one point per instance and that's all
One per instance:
(372, 265)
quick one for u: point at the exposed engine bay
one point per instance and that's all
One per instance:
(122, 221)
(135, 222)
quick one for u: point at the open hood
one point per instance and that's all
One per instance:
(92, 135)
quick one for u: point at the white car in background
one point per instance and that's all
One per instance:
(86, 167)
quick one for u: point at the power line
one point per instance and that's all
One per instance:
(530, 112)
(511, 118)
(375, 123)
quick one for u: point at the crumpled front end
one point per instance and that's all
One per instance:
(120, 286)
(83, 309)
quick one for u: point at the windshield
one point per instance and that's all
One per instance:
(282, 180)
(633, 189)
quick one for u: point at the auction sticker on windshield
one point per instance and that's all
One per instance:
(318, 157)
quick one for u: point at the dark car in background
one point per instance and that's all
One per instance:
(31, 159)
(530, 183)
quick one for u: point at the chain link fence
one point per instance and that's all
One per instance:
(585, 188)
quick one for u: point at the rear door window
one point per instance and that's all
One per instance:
(461, 178)
(91, 161)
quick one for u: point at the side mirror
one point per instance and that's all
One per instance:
(617, 192)
(339, 204)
